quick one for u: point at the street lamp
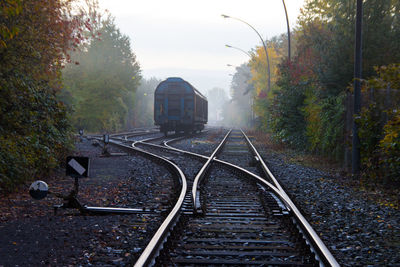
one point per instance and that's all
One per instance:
(237, 48)
(288, 28)
(263, 43)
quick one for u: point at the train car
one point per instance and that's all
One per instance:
(179, 107)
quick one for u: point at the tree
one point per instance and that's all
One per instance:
(380, 125)
(103, 81)
(307, 108)
(217, 98)
(36, 37)
(144, 102)
(240, 106)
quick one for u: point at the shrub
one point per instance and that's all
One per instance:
(34, 131)
(390, 148)
(379, 126)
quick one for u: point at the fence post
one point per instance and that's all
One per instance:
(388, 102)
(357, 88)
(348, 130)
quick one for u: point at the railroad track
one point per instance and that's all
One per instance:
(134, 134)
(165, 193)
(238, 217)
(225, 216)
(189, 166)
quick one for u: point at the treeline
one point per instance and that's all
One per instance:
(34, 131)
(144, 103)
(101, 80)
(64, 65)
(238, 111)
(309, 104)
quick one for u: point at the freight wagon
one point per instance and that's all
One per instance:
(179, 107)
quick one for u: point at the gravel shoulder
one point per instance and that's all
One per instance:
(360, 227)
(31, 235)
(357, 226)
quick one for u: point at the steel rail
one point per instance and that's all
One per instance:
(317, 244)
(167, 147)
(118, 210)
(109, 210)
(200, 175)
(171, 140)
(125, 137)
(155, 243)
(323, 253)
(145, 141)
(263, 165)
(121, 136)
(311, 235)
(182, 151)
(156, 138)
(136, 131)
(171, 150)
(140, 133)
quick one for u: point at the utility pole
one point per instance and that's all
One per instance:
(357, 88)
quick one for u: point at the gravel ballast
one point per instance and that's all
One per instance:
(358, 231)
(31, 235)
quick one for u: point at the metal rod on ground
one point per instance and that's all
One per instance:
(357, 89)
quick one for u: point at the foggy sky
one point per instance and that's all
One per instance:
(187, 38)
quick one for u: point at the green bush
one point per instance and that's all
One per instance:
(332, 140)
(312, 112)
(390, 148)
(287, 116)
(33, 130)
(379, 126)
(305, 117)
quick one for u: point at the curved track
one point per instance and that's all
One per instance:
(239, 218)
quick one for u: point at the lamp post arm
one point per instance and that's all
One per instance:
(263, 43)
(247, 53)
(288, 28)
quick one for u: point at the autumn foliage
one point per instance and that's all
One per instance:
(309, 106)
(101, 88)
(379, 123)
(36, 37)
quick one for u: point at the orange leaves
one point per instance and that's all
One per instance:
(262, 94)
(8, 31)
(49, 28)
(259, 64)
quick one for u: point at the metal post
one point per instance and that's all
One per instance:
(288, 28)
(357, 89)
(264, 46)
(237, 48)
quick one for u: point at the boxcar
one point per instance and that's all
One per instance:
(179, 107)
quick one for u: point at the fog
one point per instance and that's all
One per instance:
(187, 38)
